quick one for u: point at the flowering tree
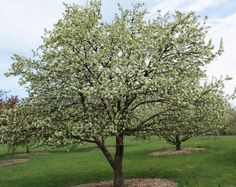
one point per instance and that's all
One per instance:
(91, 80)
(229, 122)
(202, 115)
(7, 104)
(16, 127)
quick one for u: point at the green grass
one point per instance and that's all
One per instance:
(214, 168)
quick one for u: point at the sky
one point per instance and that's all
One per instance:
(22, 24)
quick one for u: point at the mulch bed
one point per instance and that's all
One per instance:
(11, 162)
(135, 183)
(174, 152)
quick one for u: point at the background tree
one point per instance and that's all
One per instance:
(202, 116)
(7, 102)
(91, 80)
(229, 122)
(6, 105)
(16, 129)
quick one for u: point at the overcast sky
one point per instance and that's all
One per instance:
(22, 24)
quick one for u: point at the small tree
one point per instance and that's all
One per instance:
(92, 80)
(6, 105)
(202, 116)
(16, 128)
(229, 122)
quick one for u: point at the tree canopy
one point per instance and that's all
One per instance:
(202, 116)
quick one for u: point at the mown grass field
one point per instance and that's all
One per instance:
(215, 167)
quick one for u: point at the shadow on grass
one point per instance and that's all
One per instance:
(224, 159)
(58, 180)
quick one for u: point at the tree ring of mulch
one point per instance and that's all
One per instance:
(134, 183)
(28, 155)
(188, 150)
(11, 162)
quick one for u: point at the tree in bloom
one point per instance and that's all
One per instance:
(7, 104)
(203, 115)
(16, 127)
(90, 79)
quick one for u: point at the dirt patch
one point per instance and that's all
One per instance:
(11, 162)
(135, 183)
(28, 155)
(173, 152)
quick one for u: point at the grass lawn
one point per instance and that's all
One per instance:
(215, 167)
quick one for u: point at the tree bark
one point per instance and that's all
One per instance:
(118, 173)
(115, 163)
(105, 151)
(177, 143)
(27, 149)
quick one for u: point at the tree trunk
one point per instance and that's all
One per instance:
(27, 149)
(118, 173)
(177, 143)
(115, 163)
